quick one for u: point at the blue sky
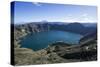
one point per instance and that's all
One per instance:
(35, 12)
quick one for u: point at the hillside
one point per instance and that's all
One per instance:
(59, 53)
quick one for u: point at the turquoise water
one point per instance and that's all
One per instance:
(41, 40)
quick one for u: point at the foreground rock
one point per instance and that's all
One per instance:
(59, 53)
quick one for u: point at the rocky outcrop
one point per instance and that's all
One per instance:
(57, 53)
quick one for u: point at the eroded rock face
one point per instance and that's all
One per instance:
(25, 29)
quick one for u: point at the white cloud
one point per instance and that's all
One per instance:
(84, 15)
(36, 3)
(82, 18)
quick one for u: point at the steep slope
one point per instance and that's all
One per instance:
(79, 28)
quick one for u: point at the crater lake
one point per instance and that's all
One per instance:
(41, 40)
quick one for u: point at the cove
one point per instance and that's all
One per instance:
(41, 40)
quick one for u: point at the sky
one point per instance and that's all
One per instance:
(25, 12)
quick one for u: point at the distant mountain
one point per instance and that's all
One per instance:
(80, 28)
(75, 27)
(90, 24)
